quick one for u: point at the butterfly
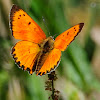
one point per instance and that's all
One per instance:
(35, 52)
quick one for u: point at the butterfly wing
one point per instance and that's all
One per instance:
(24, 27)
(64, 39)
(60, 44)
(25, 54)
(51, 62)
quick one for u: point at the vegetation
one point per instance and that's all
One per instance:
(79, 70)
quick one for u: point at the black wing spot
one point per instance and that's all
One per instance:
(39, 45)
(14, 55)
(47, 71)
(18, 18)
(28, 69)
(15, 58)
(51, 69)
(39, 73)
(29, 23)
(13, 50)
(81, 26)
(20, 15)
(57, 62)
(23, 14)
(74, 28)
(18, 62)
(43, 73)
(68, 33)
(22, 67)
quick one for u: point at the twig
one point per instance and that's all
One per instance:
(52, 90)
(50, 86)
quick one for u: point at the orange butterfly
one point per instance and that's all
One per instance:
(35, 52)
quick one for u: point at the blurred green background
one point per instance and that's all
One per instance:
(79, 71)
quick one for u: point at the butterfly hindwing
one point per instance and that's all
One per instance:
(64, 39)
(24, 27)
(25, 54)
(51, 62)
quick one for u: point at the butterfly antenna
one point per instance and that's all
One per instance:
(45, 25)
(54, 35)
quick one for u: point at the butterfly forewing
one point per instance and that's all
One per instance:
(24, 27)
(64, 39)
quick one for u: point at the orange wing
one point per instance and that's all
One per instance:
(51, 62)
(25, 54)
(64, 39)
(24, 27)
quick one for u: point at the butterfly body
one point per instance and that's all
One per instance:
(35, 51)
(45, 48)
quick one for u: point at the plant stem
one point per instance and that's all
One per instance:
(52, 90)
